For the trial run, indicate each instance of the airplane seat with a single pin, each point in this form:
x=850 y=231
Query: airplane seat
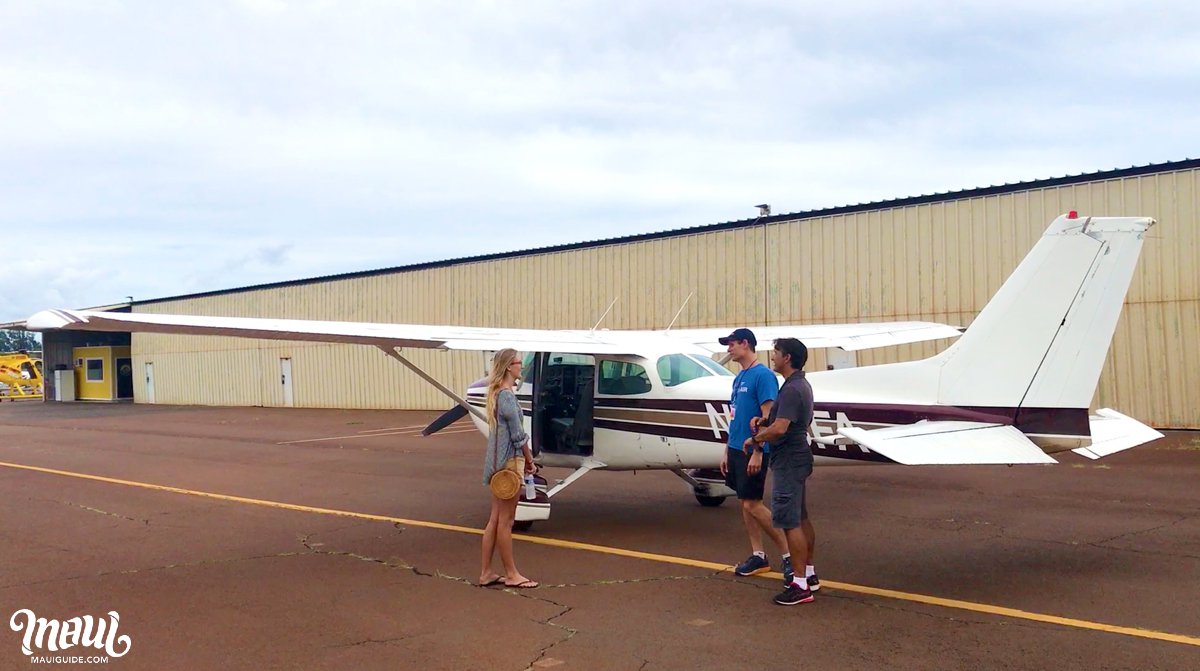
x=634 y=384
x=580 y=433
x=610 y=385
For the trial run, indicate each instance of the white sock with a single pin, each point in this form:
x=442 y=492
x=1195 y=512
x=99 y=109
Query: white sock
x=809 y=571
x=760 y=554
x=787 y=555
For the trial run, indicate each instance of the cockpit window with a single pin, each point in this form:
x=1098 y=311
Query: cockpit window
x=622 y=378
x=714 y=366
x=557 y=359
x=676 y=369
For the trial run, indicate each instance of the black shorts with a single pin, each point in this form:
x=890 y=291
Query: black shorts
x=748 y=487
x=789 y=505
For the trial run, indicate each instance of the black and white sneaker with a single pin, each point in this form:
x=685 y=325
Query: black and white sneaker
x=813 y=583
x=793 y=595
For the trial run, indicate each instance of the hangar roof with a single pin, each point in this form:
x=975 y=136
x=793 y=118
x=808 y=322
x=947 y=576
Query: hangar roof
x=1099 y=175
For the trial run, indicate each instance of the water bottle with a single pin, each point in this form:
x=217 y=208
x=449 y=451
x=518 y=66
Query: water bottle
x=530 y=490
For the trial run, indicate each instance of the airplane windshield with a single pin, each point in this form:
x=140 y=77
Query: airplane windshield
x=676 y=369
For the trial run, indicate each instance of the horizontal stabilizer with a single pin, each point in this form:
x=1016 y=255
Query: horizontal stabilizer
x=947 y=442
x=1113 y=432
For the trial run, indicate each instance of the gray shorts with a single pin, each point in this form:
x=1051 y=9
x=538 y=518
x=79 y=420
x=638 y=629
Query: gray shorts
x=788 y=504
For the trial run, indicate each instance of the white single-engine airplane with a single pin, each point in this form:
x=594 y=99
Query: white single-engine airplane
x=1014 y=389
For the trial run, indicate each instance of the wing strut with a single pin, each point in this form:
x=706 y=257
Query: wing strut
x=578 y=473
x=395 y=354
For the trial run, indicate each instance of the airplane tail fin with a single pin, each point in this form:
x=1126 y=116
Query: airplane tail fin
x=1042 y=339
x=1040 y=342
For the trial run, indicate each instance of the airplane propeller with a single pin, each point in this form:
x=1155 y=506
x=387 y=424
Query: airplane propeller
x=445 y=419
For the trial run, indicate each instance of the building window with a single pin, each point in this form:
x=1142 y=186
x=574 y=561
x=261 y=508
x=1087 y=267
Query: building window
x=95 y=370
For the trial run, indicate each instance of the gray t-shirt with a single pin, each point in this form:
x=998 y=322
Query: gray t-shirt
x=795 y=404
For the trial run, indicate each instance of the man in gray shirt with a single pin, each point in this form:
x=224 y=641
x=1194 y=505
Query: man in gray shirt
x=791 y=459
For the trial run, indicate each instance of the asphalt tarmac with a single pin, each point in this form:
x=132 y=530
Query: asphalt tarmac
x=251 y=538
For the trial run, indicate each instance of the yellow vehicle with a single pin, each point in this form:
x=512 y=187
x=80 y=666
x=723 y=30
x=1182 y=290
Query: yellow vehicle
x=20 y=377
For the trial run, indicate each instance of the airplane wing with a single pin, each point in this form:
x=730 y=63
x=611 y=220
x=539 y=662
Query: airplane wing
x=694 y=341
x=1113 y=432
x=849 y=337
x=949 y=442
x=386 y=336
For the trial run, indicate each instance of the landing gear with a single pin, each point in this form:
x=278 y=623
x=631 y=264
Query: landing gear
x=523 y=525
x=708 y=485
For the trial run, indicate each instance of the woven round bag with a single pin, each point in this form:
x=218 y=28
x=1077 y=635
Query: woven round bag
x=505 y=484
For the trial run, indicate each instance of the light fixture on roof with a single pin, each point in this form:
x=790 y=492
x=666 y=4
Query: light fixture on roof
x=764 y=210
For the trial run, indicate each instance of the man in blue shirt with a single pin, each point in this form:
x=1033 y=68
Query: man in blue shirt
x=754 y=392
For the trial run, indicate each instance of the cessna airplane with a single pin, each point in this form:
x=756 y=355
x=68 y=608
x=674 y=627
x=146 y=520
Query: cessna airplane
x=1014 y=389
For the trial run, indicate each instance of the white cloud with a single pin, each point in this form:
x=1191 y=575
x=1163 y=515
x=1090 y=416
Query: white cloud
x=196 y=146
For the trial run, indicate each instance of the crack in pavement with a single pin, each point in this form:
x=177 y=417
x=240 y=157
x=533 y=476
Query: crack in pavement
x=147 y=569
x=550 y=622
x=1102 y=544
x=633 y=581
x=315 y=548
x=104 y=512
x=380 y=641
x=570 y=632
x=1183 y=518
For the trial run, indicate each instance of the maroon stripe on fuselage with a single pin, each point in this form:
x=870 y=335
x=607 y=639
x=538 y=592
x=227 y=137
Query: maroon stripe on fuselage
x=1057 y=421
x=689 y=405
x=705 y=435
x=852 y=452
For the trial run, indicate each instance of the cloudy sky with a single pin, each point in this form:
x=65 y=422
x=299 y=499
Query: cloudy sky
x=152 y=149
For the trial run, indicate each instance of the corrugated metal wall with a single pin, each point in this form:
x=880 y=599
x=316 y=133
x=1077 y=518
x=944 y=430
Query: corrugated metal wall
x=939 y=261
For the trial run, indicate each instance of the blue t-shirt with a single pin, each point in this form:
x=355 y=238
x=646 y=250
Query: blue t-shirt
x=751 y=388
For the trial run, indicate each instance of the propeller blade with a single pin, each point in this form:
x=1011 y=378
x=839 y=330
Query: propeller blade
x=445 y=419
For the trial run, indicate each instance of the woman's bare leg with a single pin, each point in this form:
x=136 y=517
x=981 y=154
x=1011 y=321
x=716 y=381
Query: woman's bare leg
x=486 y=574
x=508 y=510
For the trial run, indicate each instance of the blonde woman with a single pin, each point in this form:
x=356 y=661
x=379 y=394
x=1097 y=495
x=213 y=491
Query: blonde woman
x=506 y=438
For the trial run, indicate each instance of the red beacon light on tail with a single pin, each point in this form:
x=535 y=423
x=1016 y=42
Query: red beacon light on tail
x=1072 y=215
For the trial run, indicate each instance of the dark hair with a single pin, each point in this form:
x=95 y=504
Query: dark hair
x=795 y=350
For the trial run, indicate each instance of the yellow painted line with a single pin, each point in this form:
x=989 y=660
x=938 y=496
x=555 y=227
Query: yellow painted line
x=649 y=556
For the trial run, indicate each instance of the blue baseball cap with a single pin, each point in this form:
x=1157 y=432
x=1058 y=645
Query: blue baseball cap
x=740 y=334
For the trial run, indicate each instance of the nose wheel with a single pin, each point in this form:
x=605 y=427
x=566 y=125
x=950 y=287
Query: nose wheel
x=708 y=485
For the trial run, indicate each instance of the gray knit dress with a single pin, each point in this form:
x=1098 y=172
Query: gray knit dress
x=505 y=442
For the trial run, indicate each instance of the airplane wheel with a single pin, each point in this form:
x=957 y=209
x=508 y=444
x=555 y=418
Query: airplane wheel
x=523 y=526
x=710 y=501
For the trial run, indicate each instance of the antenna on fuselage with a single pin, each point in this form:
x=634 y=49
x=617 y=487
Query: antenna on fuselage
x=680 y=311
x=610 y=307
